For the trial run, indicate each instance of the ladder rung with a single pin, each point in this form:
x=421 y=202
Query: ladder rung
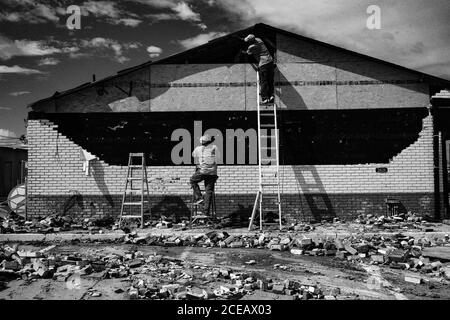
x=136 y=166
x=134 y=203
x=272 y=137
x=266 y=114
x=129 y=216
x=135 y=178
x=137 y=154
x=267 y=125
x=269 y=184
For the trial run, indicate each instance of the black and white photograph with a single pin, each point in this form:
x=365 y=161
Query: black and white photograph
x=224 y=158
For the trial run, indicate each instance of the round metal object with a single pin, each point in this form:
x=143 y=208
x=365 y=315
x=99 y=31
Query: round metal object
x=17 y=199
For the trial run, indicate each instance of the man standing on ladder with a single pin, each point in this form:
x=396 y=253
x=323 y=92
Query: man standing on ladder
x=206 y=157
x=258 y=49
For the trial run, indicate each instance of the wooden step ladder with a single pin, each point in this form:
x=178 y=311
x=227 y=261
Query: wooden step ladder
x=268 y=198
x=130 y=193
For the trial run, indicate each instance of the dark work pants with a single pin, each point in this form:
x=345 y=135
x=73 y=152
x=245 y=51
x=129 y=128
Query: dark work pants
x=266 y=75
x=210 y=181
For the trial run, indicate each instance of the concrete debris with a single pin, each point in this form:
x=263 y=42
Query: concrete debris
x=54 y=223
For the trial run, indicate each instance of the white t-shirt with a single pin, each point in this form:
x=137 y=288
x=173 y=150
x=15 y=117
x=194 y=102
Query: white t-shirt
x=206 y=158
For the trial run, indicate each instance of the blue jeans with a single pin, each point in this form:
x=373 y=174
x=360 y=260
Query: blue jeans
x=210 y=181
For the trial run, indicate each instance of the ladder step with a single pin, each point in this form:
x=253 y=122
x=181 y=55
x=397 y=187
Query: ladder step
x=266 y=114
x=135 y=178
x=269 y=184
x=135 y=166
x=137 y=154
x=126 y=216
x=271 y=137
x=134 y=203
x=267 y=126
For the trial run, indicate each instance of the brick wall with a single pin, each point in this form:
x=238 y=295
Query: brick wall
x=58 y=184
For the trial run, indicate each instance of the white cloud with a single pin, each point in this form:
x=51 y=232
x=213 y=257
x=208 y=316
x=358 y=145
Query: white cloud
x=10 y=48
x=18 y=93
x=129 y=22
x=101 y=8
x=154 y=51
x=185 y=12
x=180 y=10
x=100 y=44
x=48 y=62
x=113 y=14
x=29 y=12
x=18 y=69
x=200 y=39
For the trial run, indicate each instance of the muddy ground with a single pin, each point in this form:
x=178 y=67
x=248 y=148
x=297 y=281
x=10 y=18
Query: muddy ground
x=355 y=280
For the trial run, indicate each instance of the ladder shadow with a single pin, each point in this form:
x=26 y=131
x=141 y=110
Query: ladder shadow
x=314 y=192
x=98 y=173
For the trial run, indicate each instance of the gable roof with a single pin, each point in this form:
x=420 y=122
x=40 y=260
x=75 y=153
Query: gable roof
x=210 y=53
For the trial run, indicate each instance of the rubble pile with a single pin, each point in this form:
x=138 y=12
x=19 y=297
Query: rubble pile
x=53 y=223
x=407 y=220
x=396 y=251
x=151 y=276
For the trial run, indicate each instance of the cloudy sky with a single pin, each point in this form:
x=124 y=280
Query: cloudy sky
x=40 y=55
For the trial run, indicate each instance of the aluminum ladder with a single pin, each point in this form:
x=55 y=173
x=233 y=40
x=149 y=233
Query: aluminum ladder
x=130 y=201
x=268 y=197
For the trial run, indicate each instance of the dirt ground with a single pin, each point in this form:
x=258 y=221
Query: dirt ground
x=352 y=280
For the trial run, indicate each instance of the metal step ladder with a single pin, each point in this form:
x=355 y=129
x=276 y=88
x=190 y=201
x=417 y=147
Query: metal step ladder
x=136 y=173
x=268 y=198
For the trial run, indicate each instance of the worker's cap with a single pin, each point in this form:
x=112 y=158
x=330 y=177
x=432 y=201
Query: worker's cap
x=205 y=138
x=249 y=38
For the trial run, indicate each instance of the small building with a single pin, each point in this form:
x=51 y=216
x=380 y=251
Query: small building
x=355 y=131
x=12 y=168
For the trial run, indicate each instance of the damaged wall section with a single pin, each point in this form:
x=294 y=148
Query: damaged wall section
x=310 y=191
x=306 y=137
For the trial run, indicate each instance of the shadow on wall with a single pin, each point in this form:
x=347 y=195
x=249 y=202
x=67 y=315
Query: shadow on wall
x=312 y=188
x=287 y=94
x=99 y=176
x=173 y=207
x=75 y=199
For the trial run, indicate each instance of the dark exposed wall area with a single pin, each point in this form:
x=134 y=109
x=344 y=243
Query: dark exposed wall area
x=306 y=137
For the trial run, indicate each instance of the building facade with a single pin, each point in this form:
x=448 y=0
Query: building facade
x=354 y=132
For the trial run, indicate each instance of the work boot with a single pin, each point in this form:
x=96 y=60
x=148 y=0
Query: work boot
x=265 y=101
x=271 y=99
